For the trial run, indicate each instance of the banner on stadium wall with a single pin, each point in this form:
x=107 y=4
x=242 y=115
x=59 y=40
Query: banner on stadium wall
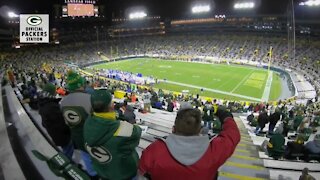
x=34 y=28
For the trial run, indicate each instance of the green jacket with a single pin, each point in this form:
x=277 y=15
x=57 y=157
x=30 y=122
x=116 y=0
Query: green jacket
x=76 y=107
x=111 y=145
x=276 y=146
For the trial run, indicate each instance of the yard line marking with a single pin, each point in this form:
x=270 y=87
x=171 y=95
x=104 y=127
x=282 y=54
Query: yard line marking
x=240 y=83
x=267 y=88
x=212 y=90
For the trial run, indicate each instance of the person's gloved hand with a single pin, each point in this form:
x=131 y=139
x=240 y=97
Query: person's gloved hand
x=222 y=114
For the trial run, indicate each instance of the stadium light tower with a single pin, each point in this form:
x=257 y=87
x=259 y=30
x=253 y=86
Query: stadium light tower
x=137 y=15
x=198 y=9
x=12 y=14
x=244 y=5
x=292 y=23
x=310 y=3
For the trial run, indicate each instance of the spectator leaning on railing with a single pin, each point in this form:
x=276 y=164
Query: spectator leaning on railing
x=186 y=154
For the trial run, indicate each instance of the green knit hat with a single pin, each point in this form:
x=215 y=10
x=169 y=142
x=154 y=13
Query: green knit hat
x=100 y=100
x=50 y=89
x=74 y=81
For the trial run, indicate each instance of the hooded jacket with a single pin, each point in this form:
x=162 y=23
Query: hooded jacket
x=276 y=145
x=111 y=145
x=189 y=158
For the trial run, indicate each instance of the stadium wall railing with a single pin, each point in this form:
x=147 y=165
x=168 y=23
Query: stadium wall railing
x=30 y=135
x=10 y=168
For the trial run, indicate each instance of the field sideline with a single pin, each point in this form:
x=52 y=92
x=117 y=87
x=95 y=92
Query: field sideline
x=232 y=82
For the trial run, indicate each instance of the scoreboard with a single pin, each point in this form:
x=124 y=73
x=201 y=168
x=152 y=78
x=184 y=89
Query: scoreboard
x=76 y=10
x=79 y=1
x=80 y=8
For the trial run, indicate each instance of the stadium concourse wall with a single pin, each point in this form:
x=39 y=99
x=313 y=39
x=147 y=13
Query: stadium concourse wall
x=199 y=59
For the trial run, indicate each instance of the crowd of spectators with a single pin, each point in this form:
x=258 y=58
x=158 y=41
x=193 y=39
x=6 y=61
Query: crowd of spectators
x=300 y=125
x=229 y=47
x=41 y=74
x=72 y=125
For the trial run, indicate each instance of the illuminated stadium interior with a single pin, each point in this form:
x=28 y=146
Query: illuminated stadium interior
x=145 y=90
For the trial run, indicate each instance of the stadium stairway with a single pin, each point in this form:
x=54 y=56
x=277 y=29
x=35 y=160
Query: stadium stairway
x=281 y=169
x=244 y=163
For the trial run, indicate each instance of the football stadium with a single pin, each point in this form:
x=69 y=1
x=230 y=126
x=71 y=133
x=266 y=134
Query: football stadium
x=160 y=90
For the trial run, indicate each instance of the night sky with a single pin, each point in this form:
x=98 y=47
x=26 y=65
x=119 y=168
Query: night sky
x=172 y=9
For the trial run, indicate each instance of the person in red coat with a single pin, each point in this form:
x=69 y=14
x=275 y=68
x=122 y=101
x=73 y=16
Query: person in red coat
x=185 y=154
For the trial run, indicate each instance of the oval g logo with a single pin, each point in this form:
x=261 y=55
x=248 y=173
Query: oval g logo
x=99 y=153
x=34 y=20
x=73 y=118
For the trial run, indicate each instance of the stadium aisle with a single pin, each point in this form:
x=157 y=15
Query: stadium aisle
x=244 y=163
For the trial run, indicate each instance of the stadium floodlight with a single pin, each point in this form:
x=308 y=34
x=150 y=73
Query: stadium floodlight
x=137 y=15
x=244 y=5
x=200 y=9
x=12 y=15
x=310 y=3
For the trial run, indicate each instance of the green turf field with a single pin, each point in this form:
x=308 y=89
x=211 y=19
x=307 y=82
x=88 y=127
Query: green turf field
x=220 y=80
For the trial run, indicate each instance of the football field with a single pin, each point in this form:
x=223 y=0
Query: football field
x=233 y=82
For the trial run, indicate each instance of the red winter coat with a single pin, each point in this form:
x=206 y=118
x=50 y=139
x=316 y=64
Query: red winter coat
x=179 y=157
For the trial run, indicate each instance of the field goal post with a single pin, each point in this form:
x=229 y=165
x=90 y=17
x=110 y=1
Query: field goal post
x=270 y=58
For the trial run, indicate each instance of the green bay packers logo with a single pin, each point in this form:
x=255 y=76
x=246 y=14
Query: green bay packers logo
x=34 y=20
x=100 y=154
x=72 y=117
